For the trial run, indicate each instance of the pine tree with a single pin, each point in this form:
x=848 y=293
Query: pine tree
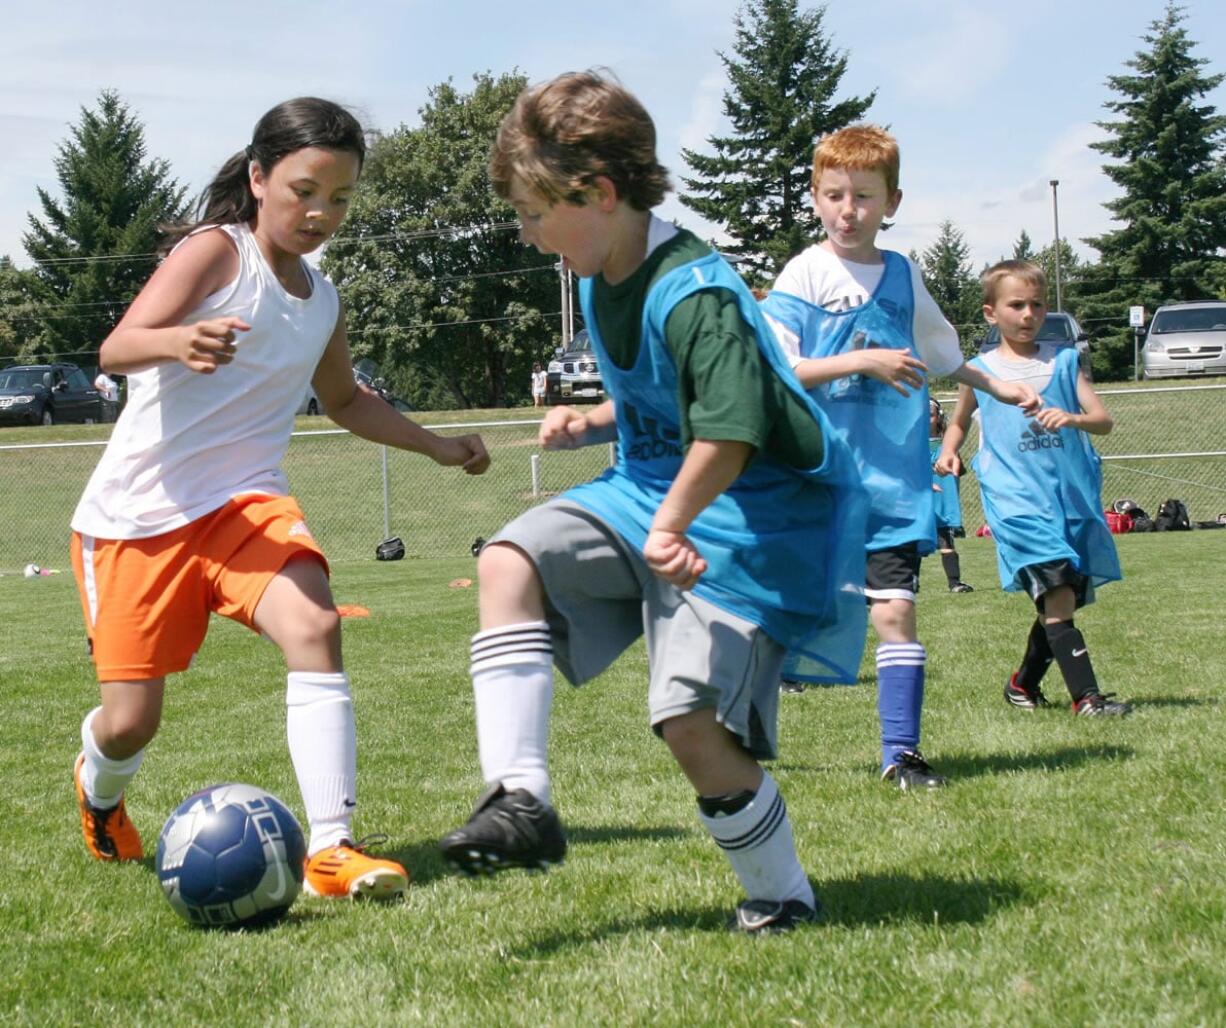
x=946 y=269
x=784 y=77
x=93 y=248
x=1023 y=249
x=1172 y=214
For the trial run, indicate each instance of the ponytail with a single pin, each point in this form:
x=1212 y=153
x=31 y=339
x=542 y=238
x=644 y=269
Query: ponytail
x=290 y=126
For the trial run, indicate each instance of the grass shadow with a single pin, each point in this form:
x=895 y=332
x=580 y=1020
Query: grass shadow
x=959 y=767
x=865 y=901
x=425 y=863
x=890 y=899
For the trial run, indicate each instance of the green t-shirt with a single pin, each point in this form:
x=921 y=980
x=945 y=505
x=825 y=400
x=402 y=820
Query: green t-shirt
x=726 y=389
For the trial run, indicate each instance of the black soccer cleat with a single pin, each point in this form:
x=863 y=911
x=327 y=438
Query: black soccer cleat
x=790 y=685
x=961 y=587
x=506 y=830
x=769 y=917
x=1101 y=705
x=1020 y=696
x=911 y=771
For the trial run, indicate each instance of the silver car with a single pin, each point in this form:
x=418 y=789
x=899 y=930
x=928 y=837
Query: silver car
x=1186 y=339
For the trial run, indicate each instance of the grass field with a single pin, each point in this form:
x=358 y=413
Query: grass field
x=1072 y=873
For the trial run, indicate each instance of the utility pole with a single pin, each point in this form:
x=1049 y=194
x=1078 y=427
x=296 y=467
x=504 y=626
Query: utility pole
x=568 y=309
x=1055 y=215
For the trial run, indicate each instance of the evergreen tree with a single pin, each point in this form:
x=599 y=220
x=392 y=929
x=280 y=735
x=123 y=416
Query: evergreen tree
x=93 y=248
x=1023 y=249
x=784 y=77
x=19 y=322
x=1172 y=214
x=946 y=269
x=439 y=292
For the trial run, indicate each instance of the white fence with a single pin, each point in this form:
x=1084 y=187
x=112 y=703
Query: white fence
x=1168 y=442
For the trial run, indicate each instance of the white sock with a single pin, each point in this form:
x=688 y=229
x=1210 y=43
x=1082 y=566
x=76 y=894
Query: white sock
x=323 y=746
x=512 y=673
x=103 y=779
x=757 y=840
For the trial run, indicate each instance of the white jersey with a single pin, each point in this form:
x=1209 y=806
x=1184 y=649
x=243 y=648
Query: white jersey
x=187 y=443
x=819 y=277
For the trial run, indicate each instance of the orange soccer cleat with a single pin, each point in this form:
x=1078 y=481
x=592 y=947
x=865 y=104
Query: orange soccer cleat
x=346 y=870
x=109 y=834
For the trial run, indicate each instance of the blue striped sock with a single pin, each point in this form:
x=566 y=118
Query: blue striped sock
x=900 y=697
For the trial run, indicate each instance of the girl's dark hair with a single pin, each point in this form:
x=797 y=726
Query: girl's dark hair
x=290 y=126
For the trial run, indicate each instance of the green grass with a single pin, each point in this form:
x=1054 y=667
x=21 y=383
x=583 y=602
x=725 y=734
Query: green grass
x=1070 y=874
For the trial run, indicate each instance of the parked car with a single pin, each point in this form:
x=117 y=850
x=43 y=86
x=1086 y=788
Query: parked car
x=574 y=373
x=310 y=403
x=1059 y=327
x=50 y=394
x=1186 y=339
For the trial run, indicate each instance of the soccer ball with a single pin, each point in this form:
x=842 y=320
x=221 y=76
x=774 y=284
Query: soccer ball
x=231 y=855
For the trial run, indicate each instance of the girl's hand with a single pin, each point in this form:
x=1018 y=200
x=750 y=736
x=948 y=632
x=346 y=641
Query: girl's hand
x=206 y=345
x=464 y=451
x=672 y=557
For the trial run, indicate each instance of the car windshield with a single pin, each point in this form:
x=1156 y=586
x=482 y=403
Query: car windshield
x=22 y=378
x=1194 y=319
x=582 y=343
x=1055 y=329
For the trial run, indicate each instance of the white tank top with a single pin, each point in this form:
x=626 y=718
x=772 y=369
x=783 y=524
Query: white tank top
x=187 y=443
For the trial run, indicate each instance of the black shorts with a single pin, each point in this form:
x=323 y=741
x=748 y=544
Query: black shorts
x=1038 y=579
x=893 y=573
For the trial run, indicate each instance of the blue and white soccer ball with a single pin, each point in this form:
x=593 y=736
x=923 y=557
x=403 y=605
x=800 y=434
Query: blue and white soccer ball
x=231 y=855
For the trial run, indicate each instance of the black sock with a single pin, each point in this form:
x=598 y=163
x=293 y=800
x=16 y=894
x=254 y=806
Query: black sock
x=1069 y=649
x=1037 y=659
x=952 y=566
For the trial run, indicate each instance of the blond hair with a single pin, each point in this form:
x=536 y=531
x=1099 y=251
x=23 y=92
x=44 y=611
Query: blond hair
x=561 y=135
x=1028 y=272
x=859 y=148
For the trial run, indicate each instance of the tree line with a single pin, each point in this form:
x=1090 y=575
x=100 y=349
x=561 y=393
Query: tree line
x=443 y=298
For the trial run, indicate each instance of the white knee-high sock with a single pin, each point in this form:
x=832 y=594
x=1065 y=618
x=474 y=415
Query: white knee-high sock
x=323 y=746
x=103 y=779
x=757 y=839
x=512 y=673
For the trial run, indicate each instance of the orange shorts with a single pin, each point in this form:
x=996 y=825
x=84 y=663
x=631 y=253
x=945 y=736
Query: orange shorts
x=147 y=601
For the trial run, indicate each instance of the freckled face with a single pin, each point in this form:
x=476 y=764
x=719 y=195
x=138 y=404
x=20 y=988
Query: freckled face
x=852 y=205
x=304 y=197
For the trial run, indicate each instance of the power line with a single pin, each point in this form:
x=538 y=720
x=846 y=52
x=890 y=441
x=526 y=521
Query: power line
x=435 y=233
x=36 y=308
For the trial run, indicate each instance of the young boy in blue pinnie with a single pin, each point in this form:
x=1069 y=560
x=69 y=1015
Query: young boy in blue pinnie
x=947 y=503
x=1041 y=483
x=729 y=531
x=862 y=333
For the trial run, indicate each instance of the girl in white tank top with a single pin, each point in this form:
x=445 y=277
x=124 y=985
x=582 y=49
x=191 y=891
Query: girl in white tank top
x=219 y=348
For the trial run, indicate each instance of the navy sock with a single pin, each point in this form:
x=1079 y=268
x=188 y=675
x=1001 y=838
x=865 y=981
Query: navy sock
x=1073 y=656
x=900 y=697
x=1037 y=659
x=952 y=564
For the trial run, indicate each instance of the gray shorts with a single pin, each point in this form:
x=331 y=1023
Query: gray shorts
x=600 y=596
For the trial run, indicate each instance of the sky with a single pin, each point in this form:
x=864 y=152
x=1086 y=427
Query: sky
x=989 y=102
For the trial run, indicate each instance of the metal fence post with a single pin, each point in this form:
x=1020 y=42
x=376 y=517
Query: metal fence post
x=536 y=475
x=387 y=506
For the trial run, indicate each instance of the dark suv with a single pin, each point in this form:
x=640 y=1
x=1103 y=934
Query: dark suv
x=574 y=373
x=50 y=394
x=1058 y=327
